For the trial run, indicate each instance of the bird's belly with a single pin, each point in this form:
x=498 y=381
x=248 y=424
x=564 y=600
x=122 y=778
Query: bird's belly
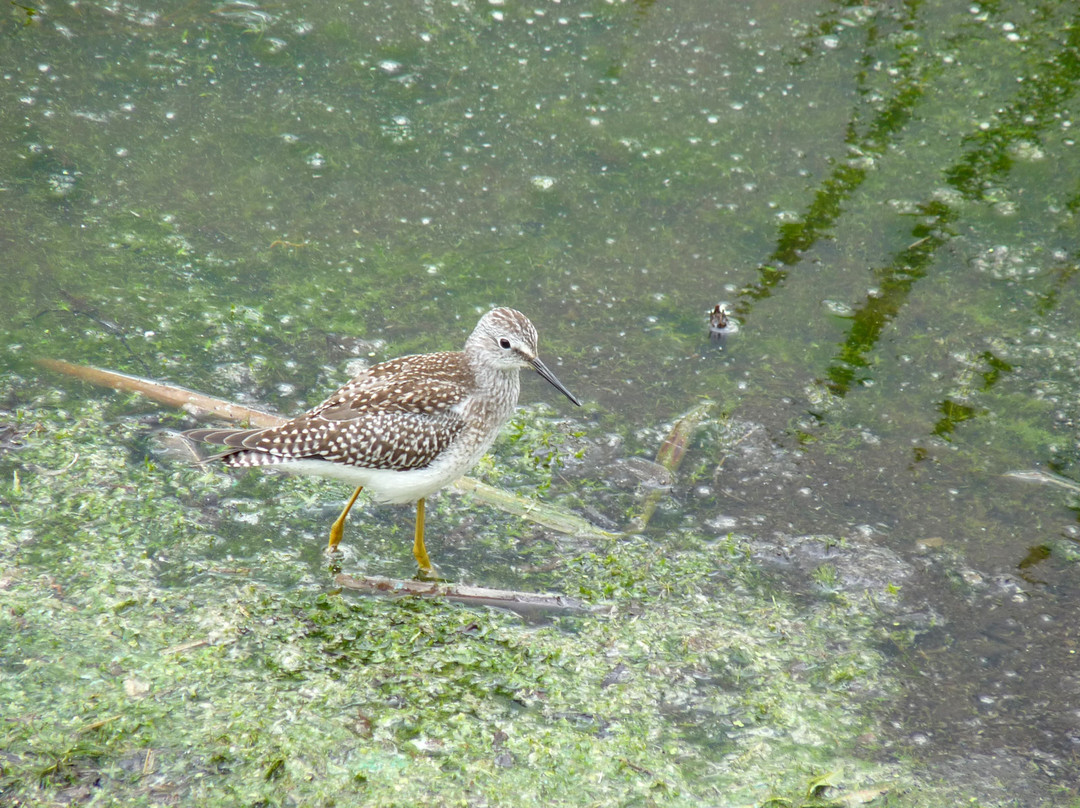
x=388 y=485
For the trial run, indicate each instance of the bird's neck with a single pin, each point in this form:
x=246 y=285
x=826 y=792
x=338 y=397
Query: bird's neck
x=501 y=386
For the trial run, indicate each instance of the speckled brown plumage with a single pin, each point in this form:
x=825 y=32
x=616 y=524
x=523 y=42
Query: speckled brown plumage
x=398 y=415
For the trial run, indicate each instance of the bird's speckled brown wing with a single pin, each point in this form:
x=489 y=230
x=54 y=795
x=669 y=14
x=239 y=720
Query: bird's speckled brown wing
x=397 y=415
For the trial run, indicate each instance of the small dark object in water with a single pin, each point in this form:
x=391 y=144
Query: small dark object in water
x=719 y=326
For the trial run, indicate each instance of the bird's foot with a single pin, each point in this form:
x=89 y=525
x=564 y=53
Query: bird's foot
x=427 y=574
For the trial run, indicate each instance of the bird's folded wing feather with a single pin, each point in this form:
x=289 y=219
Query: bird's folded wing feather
x=400 y=415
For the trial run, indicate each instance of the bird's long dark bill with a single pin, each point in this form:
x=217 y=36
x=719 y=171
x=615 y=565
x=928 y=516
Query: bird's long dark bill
x=542 y=369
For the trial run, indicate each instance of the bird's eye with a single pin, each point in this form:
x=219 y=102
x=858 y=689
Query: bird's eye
x=504 y=343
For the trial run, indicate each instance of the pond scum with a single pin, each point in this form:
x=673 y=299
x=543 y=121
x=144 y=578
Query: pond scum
x=145 y=665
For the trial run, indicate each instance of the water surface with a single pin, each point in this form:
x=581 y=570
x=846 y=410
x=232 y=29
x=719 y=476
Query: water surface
x=242 y=199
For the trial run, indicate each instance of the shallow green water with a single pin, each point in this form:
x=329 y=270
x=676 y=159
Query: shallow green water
x=240 y=199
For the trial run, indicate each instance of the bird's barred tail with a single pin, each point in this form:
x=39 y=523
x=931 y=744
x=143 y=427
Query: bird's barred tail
x=241 y=457
x=222 y=437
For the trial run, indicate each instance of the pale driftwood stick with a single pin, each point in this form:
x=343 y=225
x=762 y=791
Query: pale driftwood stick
x=194 y=403
x=1045 y=477
x=549 y=516
x=670 y=456
x=204 y=406
x=525 y=603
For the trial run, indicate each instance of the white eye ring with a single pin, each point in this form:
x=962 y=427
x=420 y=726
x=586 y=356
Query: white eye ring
x=504 y=343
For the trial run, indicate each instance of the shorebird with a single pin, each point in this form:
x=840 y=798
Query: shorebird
x=403 y=428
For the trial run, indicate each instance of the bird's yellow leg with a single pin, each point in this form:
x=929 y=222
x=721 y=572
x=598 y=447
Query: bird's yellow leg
x=419 y=550
x=338 y=528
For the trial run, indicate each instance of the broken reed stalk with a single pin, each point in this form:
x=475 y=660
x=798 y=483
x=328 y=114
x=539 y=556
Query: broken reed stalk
x=189 y=401
x=670 y=456
x=527 y=604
